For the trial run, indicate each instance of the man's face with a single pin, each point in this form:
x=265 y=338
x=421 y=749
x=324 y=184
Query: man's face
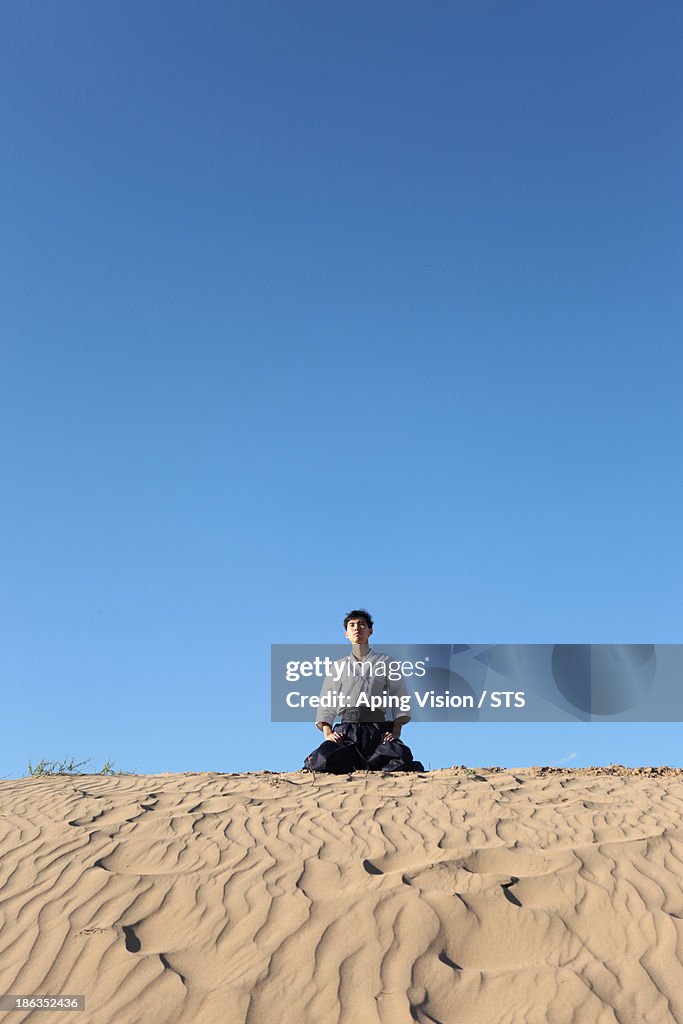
x=357 y=631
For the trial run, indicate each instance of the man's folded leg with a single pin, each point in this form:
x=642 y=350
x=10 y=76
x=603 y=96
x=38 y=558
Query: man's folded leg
x=394 y=756
x=337 y=758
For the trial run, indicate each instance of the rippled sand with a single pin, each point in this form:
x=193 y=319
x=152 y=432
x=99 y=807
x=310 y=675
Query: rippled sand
x=530 y=896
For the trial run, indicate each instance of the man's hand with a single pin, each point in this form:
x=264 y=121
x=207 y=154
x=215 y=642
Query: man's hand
x=395 y=733
x=329 y=734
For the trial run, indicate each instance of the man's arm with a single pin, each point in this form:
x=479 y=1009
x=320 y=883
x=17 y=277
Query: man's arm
x=398 y=688
x=325 y=716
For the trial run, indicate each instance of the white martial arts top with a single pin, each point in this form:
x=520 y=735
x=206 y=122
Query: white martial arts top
x=350 y=680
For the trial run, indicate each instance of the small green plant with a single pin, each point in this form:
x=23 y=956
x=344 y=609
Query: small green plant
x=69 y=766
x=108 y=769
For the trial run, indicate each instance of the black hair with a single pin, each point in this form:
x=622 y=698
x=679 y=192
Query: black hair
x=358 y=613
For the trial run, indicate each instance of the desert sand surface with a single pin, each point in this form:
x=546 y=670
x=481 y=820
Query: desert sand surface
x=460 y=896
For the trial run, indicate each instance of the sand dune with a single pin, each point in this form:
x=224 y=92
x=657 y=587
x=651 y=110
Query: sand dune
x=531 y=896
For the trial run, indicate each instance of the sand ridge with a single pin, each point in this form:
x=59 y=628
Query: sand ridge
x=460 y=896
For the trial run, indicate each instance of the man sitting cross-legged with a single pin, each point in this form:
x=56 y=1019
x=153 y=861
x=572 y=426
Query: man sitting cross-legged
x=364 y=739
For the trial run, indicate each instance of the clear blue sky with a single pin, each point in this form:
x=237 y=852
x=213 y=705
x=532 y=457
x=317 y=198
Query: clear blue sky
x=306 y=306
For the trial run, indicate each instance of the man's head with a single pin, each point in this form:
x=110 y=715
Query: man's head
x=358 y=626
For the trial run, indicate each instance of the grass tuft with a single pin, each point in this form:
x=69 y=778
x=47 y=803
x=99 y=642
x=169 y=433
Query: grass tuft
x=69 y=766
